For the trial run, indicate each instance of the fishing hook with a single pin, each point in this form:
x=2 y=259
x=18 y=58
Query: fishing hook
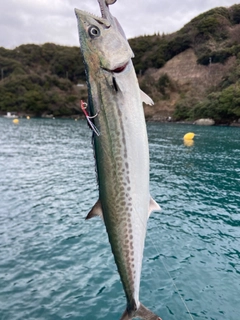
x=83 y=106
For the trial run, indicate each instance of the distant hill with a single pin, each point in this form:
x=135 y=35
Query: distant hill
x=41 y=80
x=191 y=73
x=194 y=72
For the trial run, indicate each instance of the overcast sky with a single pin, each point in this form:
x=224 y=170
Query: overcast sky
x=40 y=21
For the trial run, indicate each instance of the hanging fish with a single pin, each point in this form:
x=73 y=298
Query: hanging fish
x=121 y=147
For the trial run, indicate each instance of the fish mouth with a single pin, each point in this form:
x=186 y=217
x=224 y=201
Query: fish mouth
x=118 y=69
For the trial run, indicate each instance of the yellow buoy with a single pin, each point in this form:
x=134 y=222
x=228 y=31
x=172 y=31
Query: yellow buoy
x=28 y=117
x=15 y=121
x=188 y=142
x=189 y=136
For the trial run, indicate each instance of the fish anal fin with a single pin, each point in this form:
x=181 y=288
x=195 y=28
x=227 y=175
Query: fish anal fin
x=95 y=211
x=146 y=99
x=142 y=313
x=153 y=206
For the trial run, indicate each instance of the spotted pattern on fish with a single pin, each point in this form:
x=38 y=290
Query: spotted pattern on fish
x=118 y=172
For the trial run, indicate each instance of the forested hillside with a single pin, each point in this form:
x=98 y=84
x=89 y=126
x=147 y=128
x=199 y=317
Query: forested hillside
x=41 y=80
x=194 y=72
x=189 y=74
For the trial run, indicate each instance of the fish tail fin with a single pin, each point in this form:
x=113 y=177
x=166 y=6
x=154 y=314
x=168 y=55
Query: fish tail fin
x=125 y=316
x=142 y=312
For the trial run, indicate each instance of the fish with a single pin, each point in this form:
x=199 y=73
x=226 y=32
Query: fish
x=115 y=112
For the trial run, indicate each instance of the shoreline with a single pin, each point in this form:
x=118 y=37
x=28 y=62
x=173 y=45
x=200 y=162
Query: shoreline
x=81 y=117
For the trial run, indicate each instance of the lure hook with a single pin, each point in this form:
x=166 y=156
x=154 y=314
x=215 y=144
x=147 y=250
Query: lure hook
x=83 y=106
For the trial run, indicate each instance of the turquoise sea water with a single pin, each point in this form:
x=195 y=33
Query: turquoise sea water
x=55 y=265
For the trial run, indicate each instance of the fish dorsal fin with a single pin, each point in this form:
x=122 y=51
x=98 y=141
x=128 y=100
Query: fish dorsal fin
x=146 y=99
x=153 y=206
x=96 y=211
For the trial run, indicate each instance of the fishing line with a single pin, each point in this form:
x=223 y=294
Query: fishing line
x=165 y=267
x=173 y=282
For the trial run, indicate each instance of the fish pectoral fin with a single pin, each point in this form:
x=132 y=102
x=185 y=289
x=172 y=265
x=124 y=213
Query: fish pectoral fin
x=142 y=313
x=146 y=99
x=153 y=206
x=96 y=211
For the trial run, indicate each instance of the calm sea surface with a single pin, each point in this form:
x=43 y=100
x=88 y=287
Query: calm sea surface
x=55 y=265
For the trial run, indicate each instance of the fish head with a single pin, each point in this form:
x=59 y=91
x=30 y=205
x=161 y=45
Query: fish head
x=102 y=45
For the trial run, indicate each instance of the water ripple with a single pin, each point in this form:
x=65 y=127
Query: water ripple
x=55 y=265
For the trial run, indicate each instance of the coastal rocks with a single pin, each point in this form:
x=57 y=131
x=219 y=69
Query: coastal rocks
x=235 y=123
x=204 y=122
x=48 y=116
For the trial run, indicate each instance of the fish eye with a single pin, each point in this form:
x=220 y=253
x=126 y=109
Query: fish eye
x=94 y=32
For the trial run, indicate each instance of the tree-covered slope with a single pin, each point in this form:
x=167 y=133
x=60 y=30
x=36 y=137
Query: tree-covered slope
x=40 y=79
x=184 y=88
x=191 y=73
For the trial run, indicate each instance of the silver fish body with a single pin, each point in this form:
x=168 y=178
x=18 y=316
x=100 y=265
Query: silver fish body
x=121 y=150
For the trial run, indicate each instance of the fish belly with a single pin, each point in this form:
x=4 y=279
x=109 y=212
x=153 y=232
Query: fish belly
x=123 y=172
